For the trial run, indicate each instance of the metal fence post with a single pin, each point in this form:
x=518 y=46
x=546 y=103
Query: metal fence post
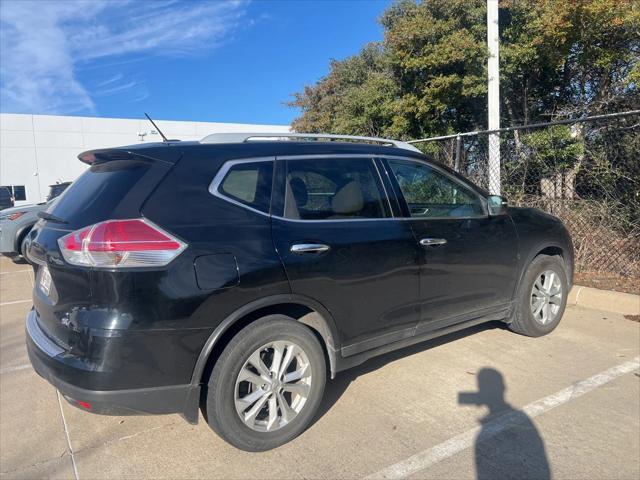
x=458 y=153
x=493 y=87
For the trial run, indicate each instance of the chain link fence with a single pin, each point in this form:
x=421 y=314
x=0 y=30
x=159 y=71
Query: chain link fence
x=587 y=172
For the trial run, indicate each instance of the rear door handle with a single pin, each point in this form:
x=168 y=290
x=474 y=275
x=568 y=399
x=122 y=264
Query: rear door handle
x=432 y=242
x=309 y=248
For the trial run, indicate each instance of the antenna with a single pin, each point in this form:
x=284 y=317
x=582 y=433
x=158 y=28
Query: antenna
x=164 y=139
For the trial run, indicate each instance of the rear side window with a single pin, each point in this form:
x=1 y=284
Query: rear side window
x=333 y=189
x=247 y=183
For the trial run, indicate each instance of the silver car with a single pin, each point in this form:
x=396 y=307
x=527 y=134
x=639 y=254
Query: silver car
x=16 y=222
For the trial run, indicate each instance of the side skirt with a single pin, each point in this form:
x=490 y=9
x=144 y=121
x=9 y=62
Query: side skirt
x=344 y=363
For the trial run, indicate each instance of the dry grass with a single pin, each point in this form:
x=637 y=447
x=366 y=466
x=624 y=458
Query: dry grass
x=606 y=249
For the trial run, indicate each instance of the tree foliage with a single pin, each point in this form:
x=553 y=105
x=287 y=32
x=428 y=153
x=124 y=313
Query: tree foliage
x=553 y=149
x=428 y=75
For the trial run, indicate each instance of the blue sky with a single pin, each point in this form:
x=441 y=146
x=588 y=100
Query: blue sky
x=235 y=61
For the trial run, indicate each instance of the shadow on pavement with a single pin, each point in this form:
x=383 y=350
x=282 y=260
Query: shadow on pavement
x=336 y=387
x=508 y=445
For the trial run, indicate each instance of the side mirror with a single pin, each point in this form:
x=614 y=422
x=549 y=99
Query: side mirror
x=497 y=205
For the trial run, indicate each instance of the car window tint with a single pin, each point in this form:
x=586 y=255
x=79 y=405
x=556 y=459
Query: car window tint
x=430 y=193
x=99 y=190
x=332 y=189
x=249 y=183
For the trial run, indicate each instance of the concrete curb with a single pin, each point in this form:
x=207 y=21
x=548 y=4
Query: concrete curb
x=618 y=302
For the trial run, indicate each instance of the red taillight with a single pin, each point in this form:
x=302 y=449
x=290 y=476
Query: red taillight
x=73 y=241
x=120 y=244
x=129 y=235
x=15 y=216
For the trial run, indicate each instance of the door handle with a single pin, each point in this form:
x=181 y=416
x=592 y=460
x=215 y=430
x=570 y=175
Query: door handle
x=432 y=242
x=309 y=248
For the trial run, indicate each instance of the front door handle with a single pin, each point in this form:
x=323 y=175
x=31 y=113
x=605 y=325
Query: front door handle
x=432 y=242
x=309 y=248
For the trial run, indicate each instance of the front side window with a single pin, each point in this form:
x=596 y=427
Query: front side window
x=334 y=189
x=430 y=193
x=249 y=183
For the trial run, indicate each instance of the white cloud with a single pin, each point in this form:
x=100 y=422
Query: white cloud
x=115 y=78
x=42 y=43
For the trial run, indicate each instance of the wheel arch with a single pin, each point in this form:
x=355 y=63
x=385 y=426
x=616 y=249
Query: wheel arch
x=20 y=234
x=551 y=249
x=302 y=308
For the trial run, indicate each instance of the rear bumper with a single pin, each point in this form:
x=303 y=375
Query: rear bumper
x=49 y=361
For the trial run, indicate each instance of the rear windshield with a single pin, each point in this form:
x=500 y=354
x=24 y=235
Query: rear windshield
x=98 y=191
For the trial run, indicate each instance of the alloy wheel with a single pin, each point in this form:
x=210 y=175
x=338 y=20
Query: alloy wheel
x=546 y=297
x=273 y=386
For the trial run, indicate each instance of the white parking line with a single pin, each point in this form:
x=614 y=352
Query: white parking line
x=449 y=448
x=15 y=302
x=66 y=432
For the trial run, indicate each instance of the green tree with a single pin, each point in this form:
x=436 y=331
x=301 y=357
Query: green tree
x=427 y=77
x=554 y=155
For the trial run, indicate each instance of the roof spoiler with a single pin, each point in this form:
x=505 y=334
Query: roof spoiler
x=104 y=155
x=126 y=153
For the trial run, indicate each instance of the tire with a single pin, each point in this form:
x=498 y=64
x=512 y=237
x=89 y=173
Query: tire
x=23 y=245
x=529 y=316
x=225 y=391
x=20 y=257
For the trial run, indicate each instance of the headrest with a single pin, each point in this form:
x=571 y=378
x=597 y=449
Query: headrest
x=299 y=190
x=348 y=199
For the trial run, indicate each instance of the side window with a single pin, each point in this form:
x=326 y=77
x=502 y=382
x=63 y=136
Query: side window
x=333 y=189
x=429 y=193
x=18 y=192
x=248 y=183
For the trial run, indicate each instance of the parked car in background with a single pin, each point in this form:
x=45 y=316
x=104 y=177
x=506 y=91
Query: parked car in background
x=6 y=198
x=56 y=189
x=235 y=273
x=17 y=222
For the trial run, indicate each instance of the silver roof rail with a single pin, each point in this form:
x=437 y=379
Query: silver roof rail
x=246 y=137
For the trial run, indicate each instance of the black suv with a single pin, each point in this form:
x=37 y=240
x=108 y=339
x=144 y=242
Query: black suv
x=235 y=273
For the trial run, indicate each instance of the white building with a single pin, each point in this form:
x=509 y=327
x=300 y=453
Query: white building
x=39 y=150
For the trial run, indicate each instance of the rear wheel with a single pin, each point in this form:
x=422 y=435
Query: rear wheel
x=21 y=256
x=267 y=384
x=23 y=246
x=542 y=297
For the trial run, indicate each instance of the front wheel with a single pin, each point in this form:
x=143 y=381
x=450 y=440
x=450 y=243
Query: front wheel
x=267 y=384
x=23 y=247
x=542 y=297
x=21 y=256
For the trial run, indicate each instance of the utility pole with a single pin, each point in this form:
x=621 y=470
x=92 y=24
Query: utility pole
x=493 y=71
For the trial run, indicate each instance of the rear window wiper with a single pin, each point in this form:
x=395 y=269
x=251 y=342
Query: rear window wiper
x=51 y=217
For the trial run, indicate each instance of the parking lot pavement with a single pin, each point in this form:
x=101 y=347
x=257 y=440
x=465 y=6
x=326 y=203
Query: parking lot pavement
x=565 y=405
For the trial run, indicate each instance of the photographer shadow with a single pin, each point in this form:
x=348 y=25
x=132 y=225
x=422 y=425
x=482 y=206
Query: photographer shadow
x=508 y=445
